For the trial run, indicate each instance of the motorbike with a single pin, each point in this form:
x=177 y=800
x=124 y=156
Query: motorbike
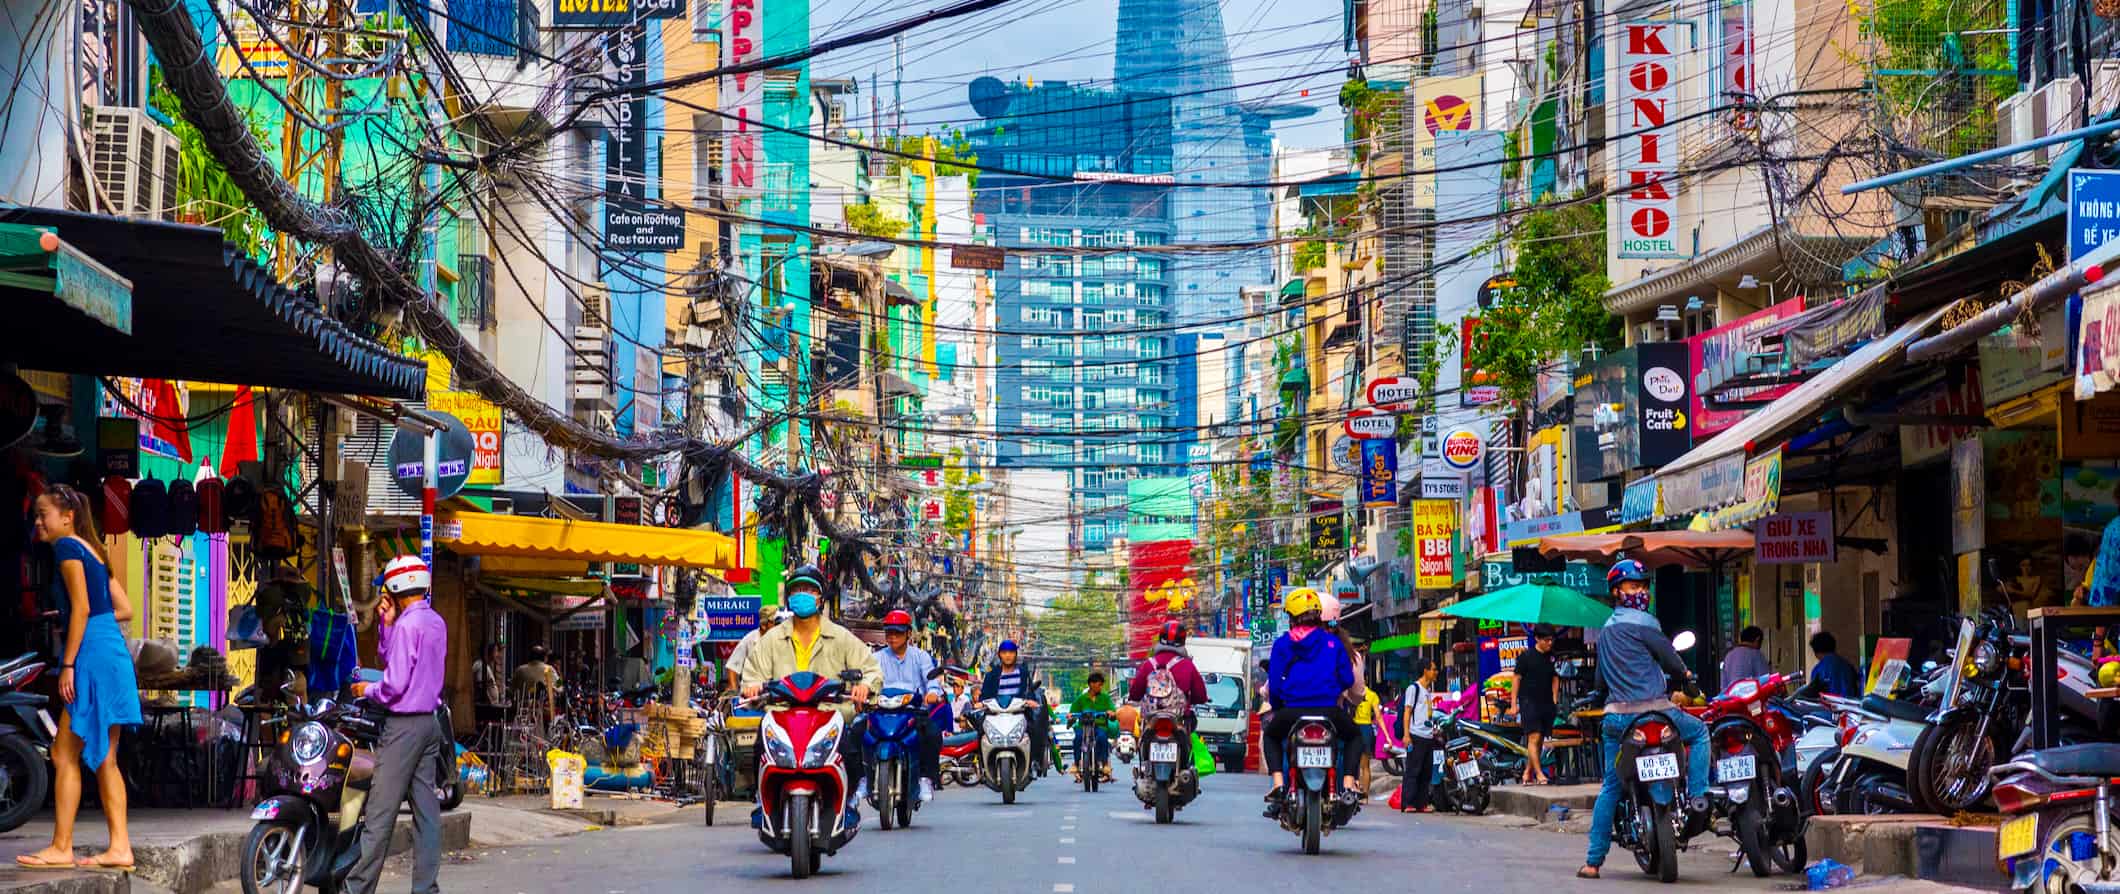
x=1088 y=735
x=307 y=829
x=1503 y=752
x=26 y=734
x=1877 y=736
x=1390 y=750
x=1749 y=781
x=2059 y=836
x=802 y=783
x=1005 y=745
x=891 y=739
x=1166 y=781
x=1310 y=806
x=1124 y=749
x=1465 y=781
x=960 y=758
x=1650 y=818
x=1984 y=696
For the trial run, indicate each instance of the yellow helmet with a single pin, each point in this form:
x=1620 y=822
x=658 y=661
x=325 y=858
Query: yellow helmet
x=1301 y=601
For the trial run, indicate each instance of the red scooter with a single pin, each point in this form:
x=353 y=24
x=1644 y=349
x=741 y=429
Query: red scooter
x=1749 y=782
x=802 y=783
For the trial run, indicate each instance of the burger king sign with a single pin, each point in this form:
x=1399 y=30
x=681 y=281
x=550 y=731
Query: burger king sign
x=1461 y=449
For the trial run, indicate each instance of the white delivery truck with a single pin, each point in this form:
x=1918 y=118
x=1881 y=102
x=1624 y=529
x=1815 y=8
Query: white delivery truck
x=1225 y=721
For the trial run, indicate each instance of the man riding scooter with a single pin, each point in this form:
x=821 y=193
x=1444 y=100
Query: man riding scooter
x=811 y=643
x=1011 y=678
x=909 y=668
x=1308 y=673
x=1636 y=666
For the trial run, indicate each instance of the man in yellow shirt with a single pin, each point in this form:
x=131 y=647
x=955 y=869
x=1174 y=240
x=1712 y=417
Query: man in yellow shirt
x=810 y=642
x=1365 y=720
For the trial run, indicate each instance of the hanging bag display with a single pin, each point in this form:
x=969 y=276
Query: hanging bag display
x=114 y=514
x=211 y=517
x=273 y=534
x=150 y=509
x=183 y=508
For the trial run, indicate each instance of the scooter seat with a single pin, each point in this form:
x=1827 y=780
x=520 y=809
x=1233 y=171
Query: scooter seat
x=1895 y=709
x=2095 y=759
x=956 y=739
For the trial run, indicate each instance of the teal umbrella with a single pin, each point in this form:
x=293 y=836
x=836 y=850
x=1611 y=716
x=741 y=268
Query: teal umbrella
x=1534 y=604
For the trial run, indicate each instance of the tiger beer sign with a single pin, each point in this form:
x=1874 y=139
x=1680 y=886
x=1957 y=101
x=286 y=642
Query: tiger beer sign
x=1646 y=201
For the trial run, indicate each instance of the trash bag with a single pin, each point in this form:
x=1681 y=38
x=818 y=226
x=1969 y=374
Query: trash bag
x=1395 y=800
x=1203 y=759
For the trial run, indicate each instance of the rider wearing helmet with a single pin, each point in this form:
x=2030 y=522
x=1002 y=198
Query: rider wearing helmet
x=1309 y=672
x=1170 y=653
x=810 y=642
x=1010 y=677
x=1636 y=670
x=909 y=668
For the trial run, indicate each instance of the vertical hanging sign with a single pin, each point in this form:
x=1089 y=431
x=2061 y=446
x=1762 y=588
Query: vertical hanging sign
x=1380 y=472
x=743 y=100
x=631 y=221
x=1646 y=203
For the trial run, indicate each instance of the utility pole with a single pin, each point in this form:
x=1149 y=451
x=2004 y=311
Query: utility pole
x=897 y=83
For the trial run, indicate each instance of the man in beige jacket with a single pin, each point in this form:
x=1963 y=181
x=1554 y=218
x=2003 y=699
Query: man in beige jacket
x=811 y=642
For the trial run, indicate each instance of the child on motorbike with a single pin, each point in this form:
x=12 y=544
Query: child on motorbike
x=1308 y=673
x=1094 y=700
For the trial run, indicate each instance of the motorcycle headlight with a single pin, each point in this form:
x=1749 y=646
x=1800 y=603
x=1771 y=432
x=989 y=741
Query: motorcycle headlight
x=780 y=752
x=1986 y=659
x=823 y=746
x=309 y=742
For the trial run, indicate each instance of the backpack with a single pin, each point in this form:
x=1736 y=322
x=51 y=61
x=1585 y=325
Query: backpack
x=211 y=517
x=272 y=533
x=150 y=509
x=115 y=515
x=1165 y=696
x=239 y=501
x=183 y=508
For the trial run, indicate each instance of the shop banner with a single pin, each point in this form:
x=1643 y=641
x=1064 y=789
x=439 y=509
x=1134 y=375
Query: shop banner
x=1328 y=527
x=1968 y=493
x=1499 y=573
x=1589 y=521
x=1434 y=530
x=1607 y=436
x=1477 y=388
x=1482 y=527
x=729 y=617
x=1152 y=569
x=1762 y=495
x=1640 y=502
x=1829 y=331
x=1442 y=103
x=1955 y=397
x=1794 y=538
x=481 y=416
x=1546 y=478
x=2098 y=335
x=1660 y=402
x=1646 y=95
x=743 y=100
x=632 y=220
x=2018 y=363
x=1717 y=482
x=607 y=14
x=2094 y=219
x=1380 y=473
x=1714 y=357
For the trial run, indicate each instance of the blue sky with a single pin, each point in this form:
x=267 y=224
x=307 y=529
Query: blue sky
x=1072 y=40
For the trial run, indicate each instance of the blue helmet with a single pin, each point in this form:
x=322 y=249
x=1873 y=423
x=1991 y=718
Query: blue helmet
x=1626 y=570
x=1007 y=645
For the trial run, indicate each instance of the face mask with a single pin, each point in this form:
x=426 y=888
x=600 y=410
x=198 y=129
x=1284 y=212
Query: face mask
x=804 y=605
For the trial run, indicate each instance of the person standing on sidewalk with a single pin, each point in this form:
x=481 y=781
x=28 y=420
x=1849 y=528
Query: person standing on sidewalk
x=1365 y=720
x=1418 y=713
x=415 y=649
x=95 y=681
x=1538 y=689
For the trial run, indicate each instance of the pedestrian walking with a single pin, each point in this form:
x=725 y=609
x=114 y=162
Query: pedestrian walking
x=95 y=681
x=1417 y=712
x=1365 y=720
x=1745 y=661
x=1538 y=690
x=414 y=643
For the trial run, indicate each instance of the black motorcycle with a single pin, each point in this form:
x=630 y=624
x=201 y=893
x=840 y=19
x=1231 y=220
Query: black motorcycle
x=1311 y=807
x=1164 y=779
x=308 y=828
x=1985 y=700
x=26 y=732
x=1650 y=820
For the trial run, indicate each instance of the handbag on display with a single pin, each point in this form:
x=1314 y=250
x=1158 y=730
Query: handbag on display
x=246 y=630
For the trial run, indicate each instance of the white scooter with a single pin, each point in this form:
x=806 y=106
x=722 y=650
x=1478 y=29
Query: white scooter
x=1870 y=775
x=1005 y=745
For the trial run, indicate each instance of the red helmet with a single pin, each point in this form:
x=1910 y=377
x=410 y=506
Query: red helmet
x=898 y=620
x=1173 y=633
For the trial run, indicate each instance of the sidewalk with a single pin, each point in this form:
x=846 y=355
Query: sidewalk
x=180 y=851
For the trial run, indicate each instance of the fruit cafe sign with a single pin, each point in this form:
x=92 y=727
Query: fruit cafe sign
x=1646 y=204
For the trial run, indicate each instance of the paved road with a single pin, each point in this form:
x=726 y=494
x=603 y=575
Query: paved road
x=1059 y=839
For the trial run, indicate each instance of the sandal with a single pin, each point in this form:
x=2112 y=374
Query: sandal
x=1589 y=872
x=32 y=861
x=97 y=863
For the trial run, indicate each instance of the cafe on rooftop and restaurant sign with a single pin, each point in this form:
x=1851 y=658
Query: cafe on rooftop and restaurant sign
x=1645 y=202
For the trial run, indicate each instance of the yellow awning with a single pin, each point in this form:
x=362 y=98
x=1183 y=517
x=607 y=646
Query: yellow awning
x=479 y=534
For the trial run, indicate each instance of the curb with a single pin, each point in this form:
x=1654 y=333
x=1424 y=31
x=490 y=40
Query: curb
x=198 y=864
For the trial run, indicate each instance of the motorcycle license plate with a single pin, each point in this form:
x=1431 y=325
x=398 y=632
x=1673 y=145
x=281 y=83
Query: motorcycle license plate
x=1307 y=758
x=1656 y=767
x=1737 y=769
x=266 y=811
x=1468 y=771
x=1163 y=752
x=2018 y=837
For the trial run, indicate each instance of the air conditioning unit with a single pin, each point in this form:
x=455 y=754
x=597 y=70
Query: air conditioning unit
x=134 y=161
x=2063 y=99
x=2105 y=86
x=2019 y=118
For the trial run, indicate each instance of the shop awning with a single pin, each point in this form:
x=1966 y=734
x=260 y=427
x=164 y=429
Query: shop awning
x=200 y=311
x=896 y=294
x=1295 y=378
x=1292 y=288
x=1722 y=457
x=479 y=534
x=1693 y=548
x=2029 y=301
x=1398 y=643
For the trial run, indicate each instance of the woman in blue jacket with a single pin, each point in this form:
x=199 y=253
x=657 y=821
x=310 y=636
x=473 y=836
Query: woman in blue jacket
x=1309 y=673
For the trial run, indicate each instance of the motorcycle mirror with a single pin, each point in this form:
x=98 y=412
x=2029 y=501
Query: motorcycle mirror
x=1684 y=640
x=935 y=674
x=850 y=676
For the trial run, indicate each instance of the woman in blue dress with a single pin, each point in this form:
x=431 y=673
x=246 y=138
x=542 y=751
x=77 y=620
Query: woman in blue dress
x=95 y=680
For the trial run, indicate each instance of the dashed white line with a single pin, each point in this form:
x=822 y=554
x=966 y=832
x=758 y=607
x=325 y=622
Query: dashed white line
x=1063 y=888
x=1067 y=841
x=1067 y=860
x=1068 y=828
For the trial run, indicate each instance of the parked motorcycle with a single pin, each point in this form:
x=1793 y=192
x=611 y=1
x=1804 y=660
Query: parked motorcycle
x=1310 y=805
x=26 y=733
x=1464 y=781
x=2059 y=836
x=1089 y=734
x=1877 y=739
x=891 y=739
x=1005 y=745
x=1503 y=749
x=1977 y=719
x=1749 y=781
x=1390 y=750
x=802 y=783
x=307 y=830
x=1166 y=781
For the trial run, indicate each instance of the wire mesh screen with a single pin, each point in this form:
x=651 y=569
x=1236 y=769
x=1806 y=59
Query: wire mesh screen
x=1942 y=67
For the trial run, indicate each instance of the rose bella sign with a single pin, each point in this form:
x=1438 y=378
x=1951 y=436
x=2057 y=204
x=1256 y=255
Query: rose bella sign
x=1646 y=204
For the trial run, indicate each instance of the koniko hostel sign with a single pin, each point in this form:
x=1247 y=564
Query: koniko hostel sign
x=743 y=99
x=1441 y=104
x=1794 y=538
x=1646 y=93
x=1434 y=528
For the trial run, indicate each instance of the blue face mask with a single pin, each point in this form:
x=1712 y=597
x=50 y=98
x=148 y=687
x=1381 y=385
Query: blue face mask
x=804 y=605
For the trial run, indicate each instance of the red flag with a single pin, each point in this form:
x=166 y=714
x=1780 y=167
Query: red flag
x=167 y=419
x=242 y=443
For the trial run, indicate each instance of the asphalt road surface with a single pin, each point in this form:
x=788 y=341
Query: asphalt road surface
x=1058 y=839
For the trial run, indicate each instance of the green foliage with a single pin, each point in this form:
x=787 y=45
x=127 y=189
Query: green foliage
x=869 y=220
x=1370 y=112
x=1310 y=256
x=1940 y=66
x=1080 y=625
x=953 y=154
x=204 y=190
x=1557 y=306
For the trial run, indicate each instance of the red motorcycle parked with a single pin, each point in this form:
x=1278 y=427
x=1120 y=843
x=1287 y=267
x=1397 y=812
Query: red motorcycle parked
x=1749 y=780
x=802 y=783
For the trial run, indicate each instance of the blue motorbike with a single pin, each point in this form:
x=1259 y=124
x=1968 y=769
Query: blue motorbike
x=892 y=741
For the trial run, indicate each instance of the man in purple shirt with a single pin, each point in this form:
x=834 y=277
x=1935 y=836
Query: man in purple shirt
x=415 y=648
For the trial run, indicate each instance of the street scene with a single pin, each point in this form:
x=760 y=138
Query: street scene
x=1059 y=445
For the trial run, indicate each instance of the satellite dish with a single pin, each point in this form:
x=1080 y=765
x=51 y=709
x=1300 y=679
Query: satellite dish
x=989 y=97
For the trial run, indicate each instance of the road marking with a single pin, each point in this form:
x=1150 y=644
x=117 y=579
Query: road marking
x=1067 y=828
x=1070 y=817
x=1067 y=841
x=1063 y=888
x=1067 y=860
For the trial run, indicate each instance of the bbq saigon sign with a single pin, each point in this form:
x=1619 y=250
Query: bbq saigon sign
x=1646 y=203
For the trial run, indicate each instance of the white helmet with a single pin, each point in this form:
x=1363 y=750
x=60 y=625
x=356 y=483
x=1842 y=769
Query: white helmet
x=1328 y=607
x=405 y=574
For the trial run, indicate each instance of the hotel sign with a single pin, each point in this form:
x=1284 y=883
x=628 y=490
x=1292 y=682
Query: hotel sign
x=1646 y=201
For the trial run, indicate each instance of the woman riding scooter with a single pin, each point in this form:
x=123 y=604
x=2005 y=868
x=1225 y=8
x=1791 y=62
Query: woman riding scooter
x=1309 y=671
